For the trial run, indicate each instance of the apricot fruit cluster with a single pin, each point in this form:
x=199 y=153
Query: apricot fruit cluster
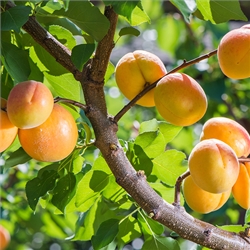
x=46 y=130
x=215 y=170
x=179 y=98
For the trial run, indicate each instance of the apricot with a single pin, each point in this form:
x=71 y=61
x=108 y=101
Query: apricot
x=8 y=131
x=180 y=100
x=234 y=53
x=241 y=189
x=29 y=104
x=228 y=131
x=53 y=140
x=134 y=71
x=4 y=237
x=200 y=200
x=214 y=166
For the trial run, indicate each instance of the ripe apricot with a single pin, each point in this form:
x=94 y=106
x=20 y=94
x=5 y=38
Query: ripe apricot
x=135 y=71
x=8 y=131
x=53 y=140
x=29 y=104
x=234 y=53
x=180 y=100
x=200 y=200
x=214 y=166
x=241 y=189
x=228 y=131
x=4 y=237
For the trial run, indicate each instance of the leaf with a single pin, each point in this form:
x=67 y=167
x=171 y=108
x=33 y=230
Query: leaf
x=152 y=143
x=105 y=234
x=16 y=62
x=129 y=230
x=220 y=11
x=87 y=17
x=247 y=216
x=91 y=185
x=129 y=31
x=81 y=54
x=17 y=157
x=39 y=186
x=160 y=243
x=169 y=166
x=14 y=18
x=186 y=7
x=233 y=228
x=109 y=72
x=64 y=191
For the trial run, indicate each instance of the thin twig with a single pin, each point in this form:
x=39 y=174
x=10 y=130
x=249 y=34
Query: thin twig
x=75 y=103
x=185 y=64
x=177 y=194
x=242 y=159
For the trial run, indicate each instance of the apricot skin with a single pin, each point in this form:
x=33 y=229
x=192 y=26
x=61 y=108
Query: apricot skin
x=201 y=201
x=8 y=131
x=180 y=100
x=214 y=166
x=53 y=140
x=134 y=71
x=228 y=131
x=234 y=53
x=29 y=104
x=241 y=189
x=4 y=237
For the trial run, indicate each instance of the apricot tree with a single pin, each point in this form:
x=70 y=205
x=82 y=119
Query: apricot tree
x=120 y=189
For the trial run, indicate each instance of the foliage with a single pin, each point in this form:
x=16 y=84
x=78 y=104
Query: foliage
x=78 y=198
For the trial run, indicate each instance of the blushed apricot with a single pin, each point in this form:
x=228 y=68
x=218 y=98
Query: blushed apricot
x=180 y=100
x=8 y=131
x=135 y=71
x=4 y=237
x=228 y=131
x=29 y=104
x=200 y=200
x=214 y=166
x=53 y=140
x=241 y=189
x=234 y=53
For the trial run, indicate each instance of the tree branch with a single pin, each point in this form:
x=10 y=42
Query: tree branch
x=174 y=217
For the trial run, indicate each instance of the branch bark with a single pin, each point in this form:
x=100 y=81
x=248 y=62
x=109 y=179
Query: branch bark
x=135 y=183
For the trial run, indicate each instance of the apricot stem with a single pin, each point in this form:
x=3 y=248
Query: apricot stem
x=242 y=159
x=177 y=194
x=75 y=103
x=185 y=64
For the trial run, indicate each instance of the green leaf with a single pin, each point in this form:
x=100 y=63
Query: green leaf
x=64 y=191
x=16 y=62
x=81 y=54
x=105 y=234
x=91 y=185
x=233 y=228
x=186 y=7
x=109 y=72
x=139 y=16
x=247 y=216
x=17 y=157
x=129 y=230
x=39 y=186
x=160 y=243
x=14 y=18
x=152 y=143
x=220 y=11
x=87 y=17
x=129 y=31
x=169 y=166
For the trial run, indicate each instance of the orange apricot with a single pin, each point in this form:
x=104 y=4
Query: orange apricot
x=200 y=200
x=241 y=189
x=29 y=104
x=234 y=53
x=53 y=140
x=4 y=237
x=135 y=71
x=214 y=166
x=180 y=100
x=228 y=131
x=8 y=131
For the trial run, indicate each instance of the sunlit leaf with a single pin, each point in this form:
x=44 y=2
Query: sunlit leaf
x=233 y=228
x=247 y=216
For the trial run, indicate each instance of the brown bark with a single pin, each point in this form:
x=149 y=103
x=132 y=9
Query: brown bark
x=135 y=183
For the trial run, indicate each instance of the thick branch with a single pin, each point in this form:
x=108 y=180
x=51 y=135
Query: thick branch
x=174 y=217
